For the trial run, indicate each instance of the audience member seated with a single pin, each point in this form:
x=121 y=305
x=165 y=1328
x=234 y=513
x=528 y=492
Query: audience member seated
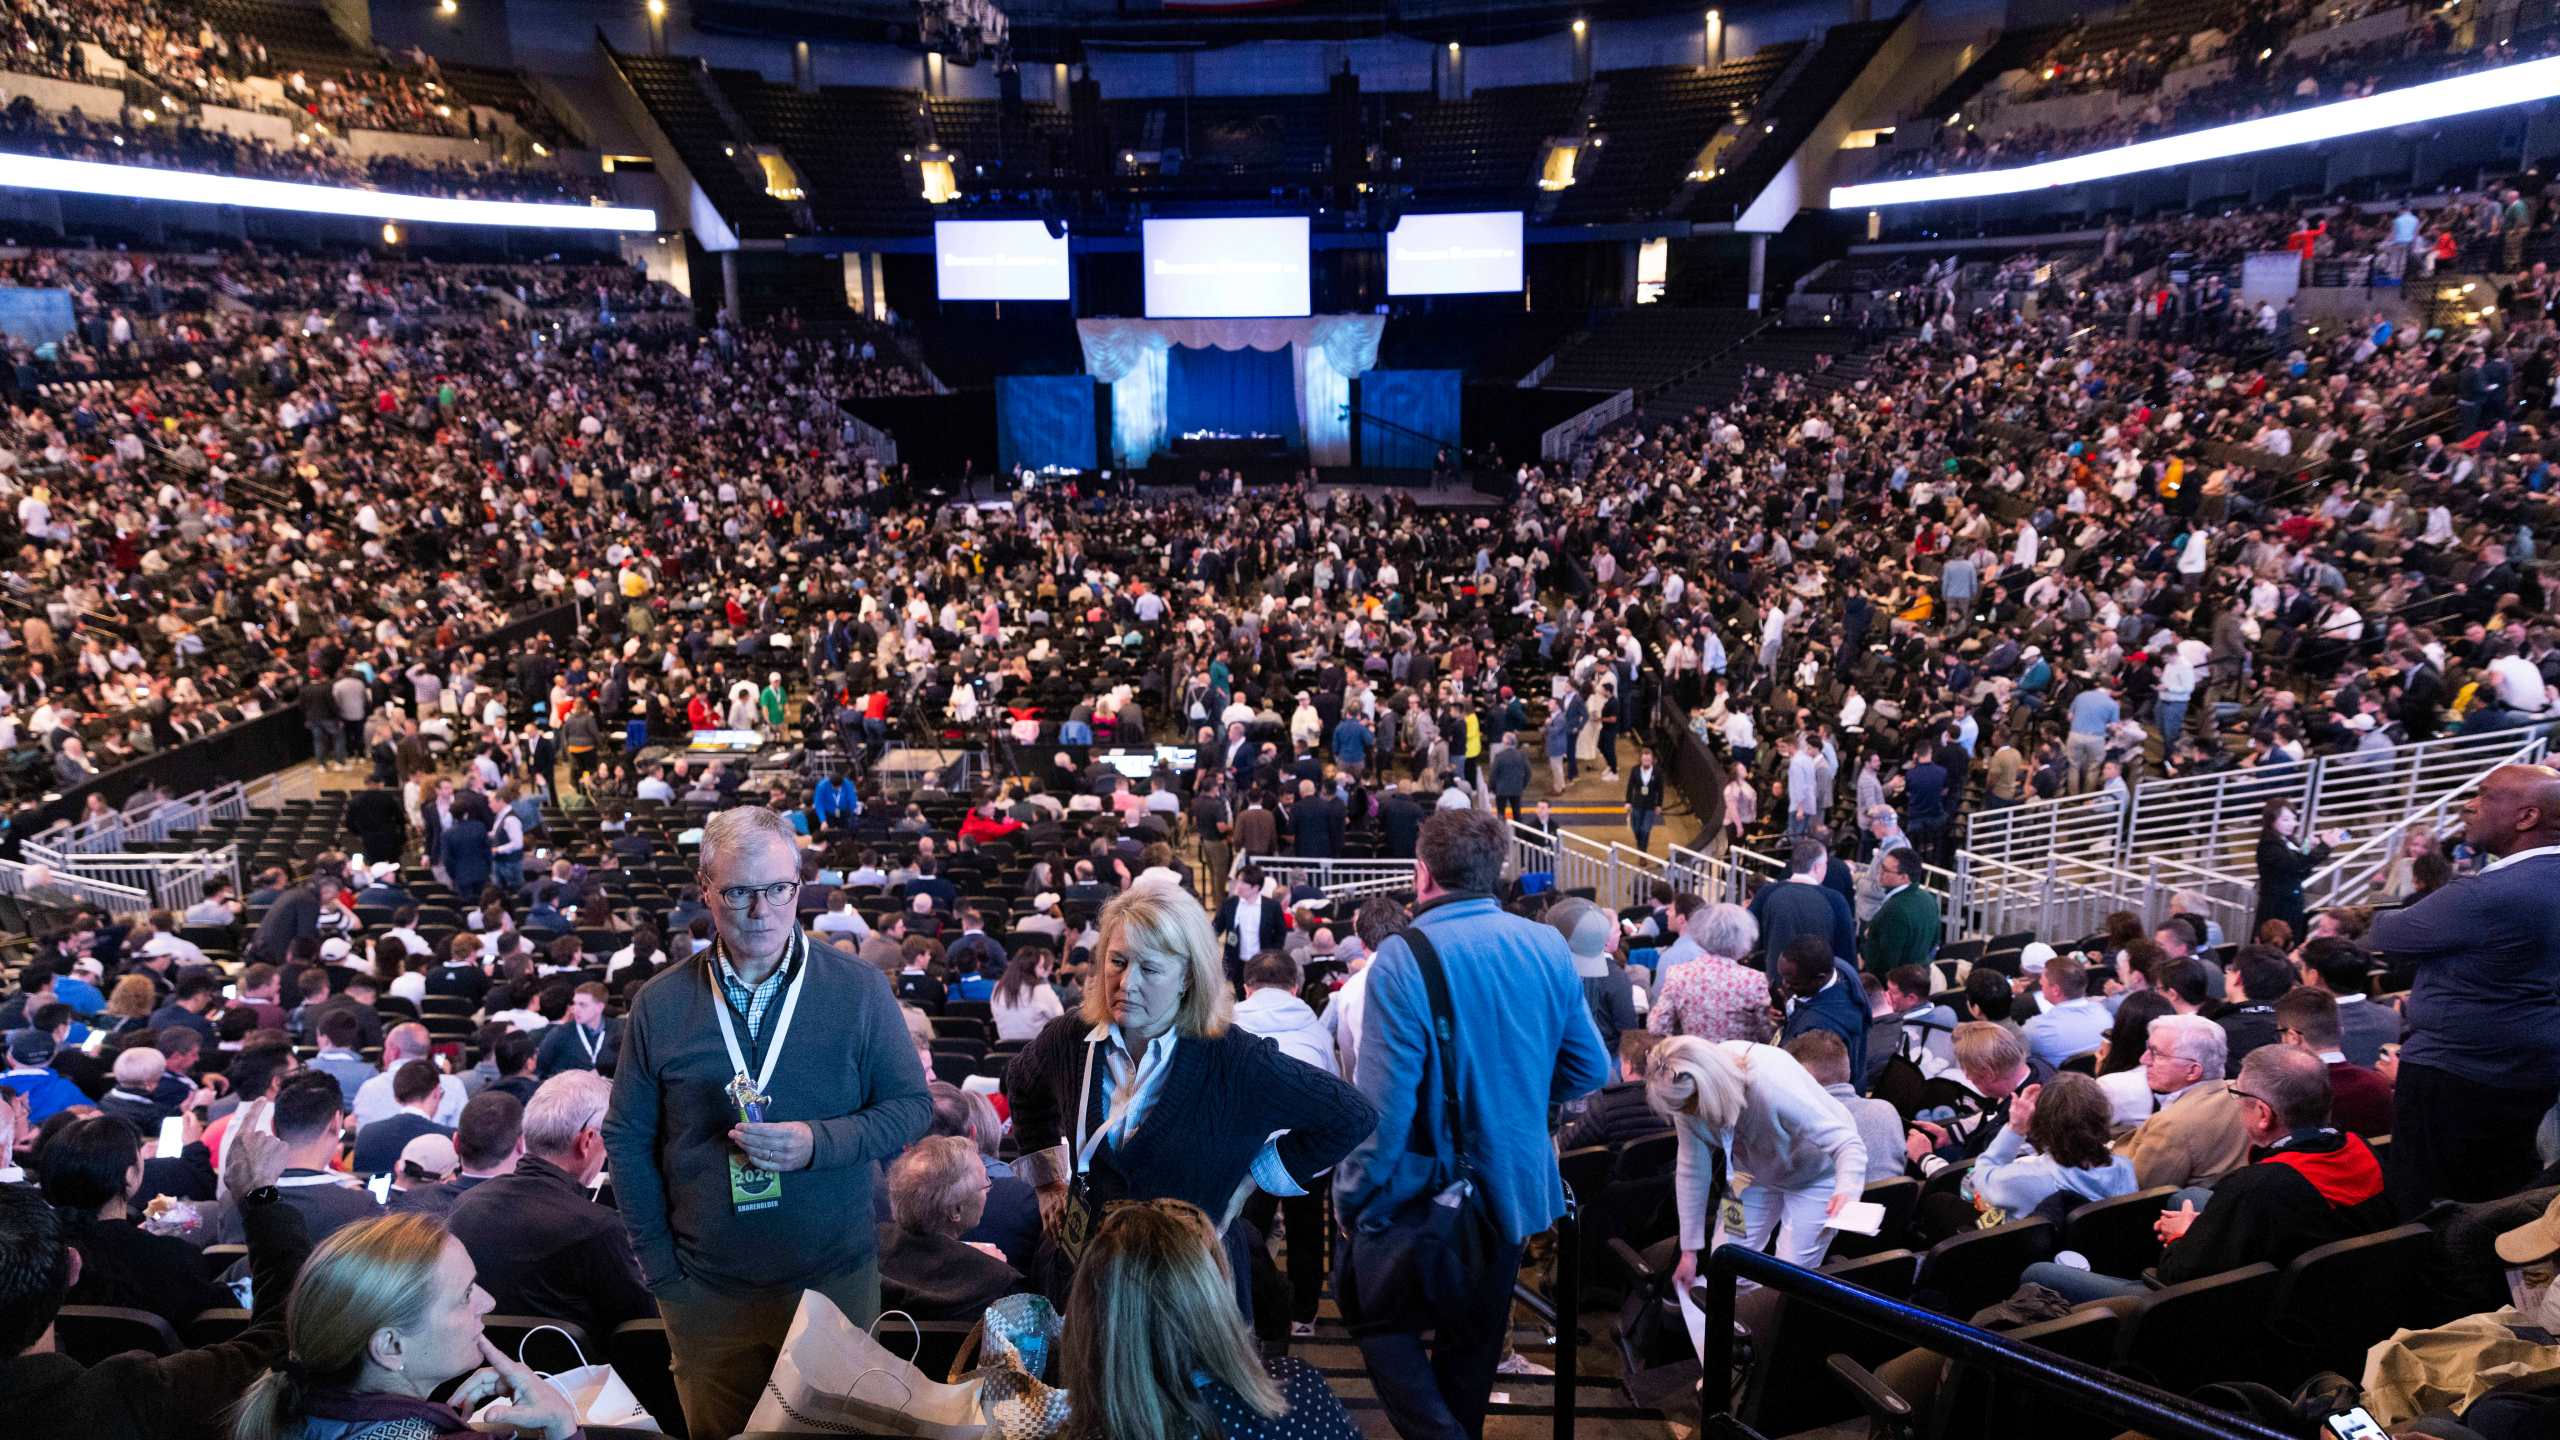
x=415 y=1090
x=2359 y=1098
x=1992 y=1061
x=387 y=1313
x=2312 y=1184
x=937 y=1193
x=2197 y=1131
x=55 y=1397
x=487 y=1143
x=310 y=1119
x=1879 y=1124
x=1619 y=1112
x=542 y=1244
x=2070 y=1021
x=2054 y=1142
x=1154 y=1344
x=92 y=1171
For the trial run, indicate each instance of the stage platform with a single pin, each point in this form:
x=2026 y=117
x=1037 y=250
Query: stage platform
x=1417 y=485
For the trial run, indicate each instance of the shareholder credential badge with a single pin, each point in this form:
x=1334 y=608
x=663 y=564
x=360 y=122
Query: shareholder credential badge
x=749 y=1187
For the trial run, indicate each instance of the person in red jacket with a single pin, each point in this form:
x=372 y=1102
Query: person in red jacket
x=2313 y=1183
x=2359 y=1098
x=987 y=821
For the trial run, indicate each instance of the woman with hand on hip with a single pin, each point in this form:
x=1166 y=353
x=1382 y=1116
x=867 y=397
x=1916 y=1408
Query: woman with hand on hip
x=1149 y=1092
x=1792 y=1156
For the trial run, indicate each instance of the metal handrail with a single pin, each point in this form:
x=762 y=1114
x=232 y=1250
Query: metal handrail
x=2125 y=1404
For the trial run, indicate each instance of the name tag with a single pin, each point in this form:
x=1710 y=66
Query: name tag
x=751 y=1188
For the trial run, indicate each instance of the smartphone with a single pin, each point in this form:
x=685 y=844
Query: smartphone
x=173 y=1137
x=2356 y=1423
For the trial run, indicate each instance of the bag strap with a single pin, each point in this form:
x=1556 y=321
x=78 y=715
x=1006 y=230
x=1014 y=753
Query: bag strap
x=1444 y=1034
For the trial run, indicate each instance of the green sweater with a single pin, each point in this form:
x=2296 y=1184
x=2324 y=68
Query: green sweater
x=848 y=1069
x=1904 y=932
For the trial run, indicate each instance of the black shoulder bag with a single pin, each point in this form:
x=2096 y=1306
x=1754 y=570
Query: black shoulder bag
x=1402 y=1276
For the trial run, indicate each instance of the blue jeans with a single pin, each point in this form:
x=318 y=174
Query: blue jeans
x=2173 y=718
x=2079 y=1286
x=1641 y=821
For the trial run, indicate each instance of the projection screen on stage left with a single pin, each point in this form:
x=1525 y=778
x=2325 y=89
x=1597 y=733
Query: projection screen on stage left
x=999 y=260
x=1477 y=253
x=1227 y=269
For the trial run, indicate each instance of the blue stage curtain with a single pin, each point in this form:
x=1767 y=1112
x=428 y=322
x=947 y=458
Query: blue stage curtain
x=1416 y=400
x=1238 y=392
x=1044 y=420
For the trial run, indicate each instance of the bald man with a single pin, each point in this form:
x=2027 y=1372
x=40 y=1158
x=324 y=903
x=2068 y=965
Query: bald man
x=2481 y=1064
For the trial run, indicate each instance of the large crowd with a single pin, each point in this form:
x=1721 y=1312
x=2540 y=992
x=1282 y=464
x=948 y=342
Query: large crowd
x=2150 y=531
x=188 y=59
x=2265 y=78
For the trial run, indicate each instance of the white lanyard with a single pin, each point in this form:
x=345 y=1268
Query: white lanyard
x=781 y=1026
x=595 y=1047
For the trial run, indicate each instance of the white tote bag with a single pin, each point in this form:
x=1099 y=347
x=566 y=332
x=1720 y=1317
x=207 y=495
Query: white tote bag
x=599 y=1394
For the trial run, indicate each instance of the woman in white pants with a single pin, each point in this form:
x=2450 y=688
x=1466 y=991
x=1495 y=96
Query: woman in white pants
x=1792 y=1156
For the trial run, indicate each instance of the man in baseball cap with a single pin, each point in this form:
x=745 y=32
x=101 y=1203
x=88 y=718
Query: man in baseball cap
x=1591 y=933
x=31 y=1074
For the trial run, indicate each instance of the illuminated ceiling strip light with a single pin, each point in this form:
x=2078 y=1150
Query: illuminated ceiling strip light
x=2436 y=100
x=139 y=182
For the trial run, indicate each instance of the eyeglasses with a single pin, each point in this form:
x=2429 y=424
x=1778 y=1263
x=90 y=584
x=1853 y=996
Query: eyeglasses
x=2245 y=1095
x=2156 y=1053
x=744 y=897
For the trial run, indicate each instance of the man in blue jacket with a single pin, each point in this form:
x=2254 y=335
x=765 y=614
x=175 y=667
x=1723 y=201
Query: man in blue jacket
x=1522 y=1041
x=2481 y=1064
x=1823 y=993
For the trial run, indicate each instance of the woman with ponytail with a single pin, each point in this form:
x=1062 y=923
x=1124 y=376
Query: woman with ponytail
x=1792 y=1156
x=385 y=1313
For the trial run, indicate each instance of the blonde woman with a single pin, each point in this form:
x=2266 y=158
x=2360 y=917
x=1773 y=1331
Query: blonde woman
x=386 y=1312
x=1792 y=1155
x=1150 y=1092
x=1154 y=1350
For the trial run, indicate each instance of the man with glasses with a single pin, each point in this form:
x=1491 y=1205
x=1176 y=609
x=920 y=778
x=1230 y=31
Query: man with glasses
x=2196 y=1133
x=2313 y=1184
x=760 y=1085
x=542 y=1244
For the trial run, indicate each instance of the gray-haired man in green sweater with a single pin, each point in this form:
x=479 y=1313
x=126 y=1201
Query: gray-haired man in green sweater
x=760 y=1086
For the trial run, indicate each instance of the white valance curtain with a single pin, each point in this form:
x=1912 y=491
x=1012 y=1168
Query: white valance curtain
x=1327 y=352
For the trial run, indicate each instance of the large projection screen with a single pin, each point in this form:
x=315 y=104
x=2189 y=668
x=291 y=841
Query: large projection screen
x=1226 y=269
x=1470 y=254
x=999 y=260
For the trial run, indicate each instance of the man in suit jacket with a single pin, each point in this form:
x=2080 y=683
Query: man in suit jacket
x=1400 y=819
x=1906 y=926
x=1315 y=824
x=1248 y=922
x=2196 y=1132
x=587 y=1041
x=1823 y=993
x=1644 y=798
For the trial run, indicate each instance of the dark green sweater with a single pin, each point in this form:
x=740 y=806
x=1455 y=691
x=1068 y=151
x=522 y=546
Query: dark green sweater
x=848 y=1069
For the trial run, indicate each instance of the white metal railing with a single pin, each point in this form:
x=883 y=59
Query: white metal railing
x=52 y=887
x=2211 y=821
x=1338 y=877
x=2351 y=876
x=1566 y=436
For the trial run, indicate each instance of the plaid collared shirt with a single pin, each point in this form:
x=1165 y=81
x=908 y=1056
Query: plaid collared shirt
x=754 y=1001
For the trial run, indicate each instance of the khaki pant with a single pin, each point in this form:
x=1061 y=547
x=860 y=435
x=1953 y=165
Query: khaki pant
x=724 y=1346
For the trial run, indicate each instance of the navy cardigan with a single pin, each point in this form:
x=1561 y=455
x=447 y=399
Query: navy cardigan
x=1223 y=1099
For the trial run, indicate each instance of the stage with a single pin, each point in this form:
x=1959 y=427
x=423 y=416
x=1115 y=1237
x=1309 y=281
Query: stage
x=1180 y=401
